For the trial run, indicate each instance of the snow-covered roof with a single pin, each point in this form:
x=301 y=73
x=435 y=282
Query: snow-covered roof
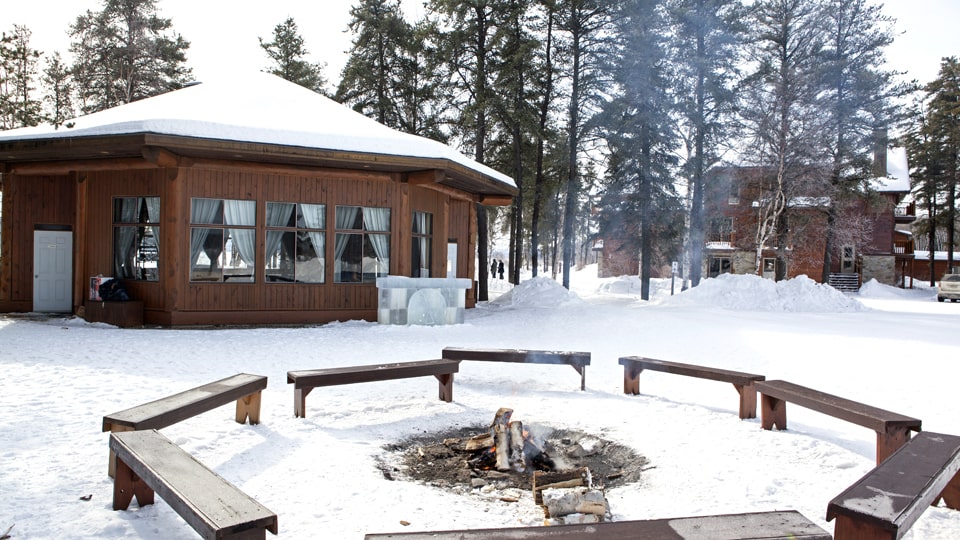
x=898 y=172
x=256 y=108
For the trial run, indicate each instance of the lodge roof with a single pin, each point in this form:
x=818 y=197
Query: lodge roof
x=256 y=117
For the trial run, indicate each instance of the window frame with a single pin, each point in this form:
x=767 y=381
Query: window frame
x=370 y=227
x=298 y=225
x=239 y=215
x=143 y=267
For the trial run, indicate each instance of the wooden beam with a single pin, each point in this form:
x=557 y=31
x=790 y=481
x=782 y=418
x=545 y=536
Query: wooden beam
x=291 y=170
x=496 y=200
x=60 y=168
x=164 y=158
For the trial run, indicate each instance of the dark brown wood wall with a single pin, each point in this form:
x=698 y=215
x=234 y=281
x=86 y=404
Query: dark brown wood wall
x=29 y=201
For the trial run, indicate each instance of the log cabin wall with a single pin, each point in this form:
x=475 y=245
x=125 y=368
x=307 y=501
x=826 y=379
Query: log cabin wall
x=462 y=227
x=29 y=201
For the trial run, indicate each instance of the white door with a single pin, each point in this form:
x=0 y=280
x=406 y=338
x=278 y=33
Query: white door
x=451 y=260
x=53 y=271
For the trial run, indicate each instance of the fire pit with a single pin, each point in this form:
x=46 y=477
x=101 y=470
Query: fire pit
x=510 y=458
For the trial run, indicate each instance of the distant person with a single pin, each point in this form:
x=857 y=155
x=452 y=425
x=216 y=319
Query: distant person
x=500 y=269
x=493 y=269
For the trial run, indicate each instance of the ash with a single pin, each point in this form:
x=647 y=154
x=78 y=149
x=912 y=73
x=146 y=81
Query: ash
x=439 y=460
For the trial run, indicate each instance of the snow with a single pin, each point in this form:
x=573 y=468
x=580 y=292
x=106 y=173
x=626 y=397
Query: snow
x=255 y=107
x=885 y=347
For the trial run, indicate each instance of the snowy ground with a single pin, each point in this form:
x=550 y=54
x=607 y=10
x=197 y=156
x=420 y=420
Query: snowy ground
x=890 y=348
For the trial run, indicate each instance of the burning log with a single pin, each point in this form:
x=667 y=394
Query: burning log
x=478 y=442
x=501 y=437
x=518 y=458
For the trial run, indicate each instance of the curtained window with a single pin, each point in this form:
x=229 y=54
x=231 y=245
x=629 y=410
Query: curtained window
x=362 y=244
x=222 y=240
x=136 y=238
x=421 y=244
x=295 y=242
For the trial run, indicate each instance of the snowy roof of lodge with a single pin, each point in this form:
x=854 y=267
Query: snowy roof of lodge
x=263 y=109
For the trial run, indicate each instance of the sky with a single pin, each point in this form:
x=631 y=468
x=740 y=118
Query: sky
x=884 y=347
x=223 y=33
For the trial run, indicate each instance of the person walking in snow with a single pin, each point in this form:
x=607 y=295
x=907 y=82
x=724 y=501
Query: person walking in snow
x=500 y=269
x=493 y=269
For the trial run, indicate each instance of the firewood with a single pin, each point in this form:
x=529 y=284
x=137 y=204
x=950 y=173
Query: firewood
x=517 y=460
x=501 y=437
x=546 y=480
x=577 y=500
x=478 y=442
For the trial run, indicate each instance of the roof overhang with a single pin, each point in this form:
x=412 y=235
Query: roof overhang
x=51 y=155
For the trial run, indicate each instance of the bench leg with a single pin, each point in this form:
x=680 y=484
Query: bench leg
x=631 y=379
x=126 y=486
x=112 y=458
x=582 y=370
x=748 y=400
x=300 y=402
x=249 y=407
x=889 y=442
x=773 y=413
x=852 y=529
x=446 y=386
x=951 y=493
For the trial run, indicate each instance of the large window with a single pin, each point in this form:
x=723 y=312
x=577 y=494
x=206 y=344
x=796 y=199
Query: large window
x=422 y=244
x=295 y=242
x=136 y=238
x=222 y=240
x=362 y=248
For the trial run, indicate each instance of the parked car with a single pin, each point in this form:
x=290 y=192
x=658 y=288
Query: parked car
x=949 y=288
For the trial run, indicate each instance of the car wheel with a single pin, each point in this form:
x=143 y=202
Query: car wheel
x=939 y=299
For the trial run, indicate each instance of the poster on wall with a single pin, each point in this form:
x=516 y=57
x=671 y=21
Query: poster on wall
x=95 y=283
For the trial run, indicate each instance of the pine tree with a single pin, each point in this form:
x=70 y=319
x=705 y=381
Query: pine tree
x=640 y=134
x=125 y=53
x=588 y=27
x=856 y=96
x=287 y=52
x=780 y=115
x=18 y=70
x=705 y=49
x=58 y=97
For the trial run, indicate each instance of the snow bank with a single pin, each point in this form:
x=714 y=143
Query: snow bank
x=754 y=293
x=539 y=292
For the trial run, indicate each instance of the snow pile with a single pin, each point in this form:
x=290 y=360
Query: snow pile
x=748 y=292
x=875 y=289
x=539 y=292
x=631 y=285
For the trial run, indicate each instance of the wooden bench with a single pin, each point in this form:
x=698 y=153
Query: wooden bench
x=578 y=360
x=243 y=388
x=886 y=502
x=148 y=463
x=786 y=525
x=743 y=382
x=893 y=429
x=306 y=380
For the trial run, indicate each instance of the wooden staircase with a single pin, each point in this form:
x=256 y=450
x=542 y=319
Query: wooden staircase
x=849 y=282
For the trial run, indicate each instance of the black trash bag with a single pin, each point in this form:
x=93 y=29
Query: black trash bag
x=113 y=291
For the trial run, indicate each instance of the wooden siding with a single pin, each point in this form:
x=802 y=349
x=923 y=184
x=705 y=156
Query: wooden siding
x=29 y=201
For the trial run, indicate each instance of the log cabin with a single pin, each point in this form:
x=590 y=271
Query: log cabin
x=245 y=201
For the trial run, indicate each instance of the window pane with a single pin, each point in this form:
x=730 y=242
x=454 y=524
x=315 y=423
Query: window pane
x=206 y=211
x=280 y=256
x=280 y=214
x=239 y=254
x=240 y=212
x=349 y=254
x=310 y=259
x=312 y=216
x=125 y=210
x=124 y=252
x=376 y=257
x=206 y=248
x=349 y=217
x=376 y=219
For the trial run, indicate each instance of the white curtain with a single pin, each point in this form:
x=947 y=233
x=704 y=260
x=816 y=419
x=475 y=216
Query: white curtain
x=201 y=211
x=378 y=219
x=314 y=217
x=346 y=216
x=278 y=215
x=242 y=213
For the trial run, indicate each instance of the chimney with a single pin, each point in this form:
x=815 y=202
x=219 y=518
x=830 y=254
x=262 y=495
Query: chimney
x=880 y=152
